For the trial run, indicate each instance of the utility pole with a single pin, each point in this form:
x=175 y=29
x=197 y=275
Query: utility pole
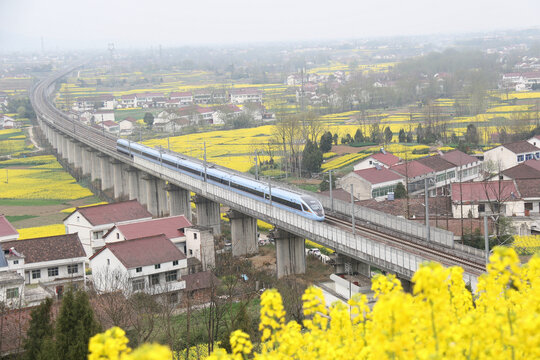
x=486 y=237
x=331 y=197
x=168 y=144
x=427 y=208
x=205 y=161
x=352 y=209
x=256 y=166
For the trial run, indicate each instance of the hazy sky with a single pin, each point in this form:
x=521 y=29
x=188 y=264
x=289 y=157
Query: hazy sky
x=141 y=23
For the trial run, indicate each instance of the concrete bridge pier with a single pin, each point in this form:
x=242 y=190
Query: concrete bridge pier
x=105 y=172
x=153 y=186
x=120 y=190
x=70 y=151
x=86 y=161
x=54 y=139
x=290 y=253
x=243 y=233
x=95 y=166
x=162 y=195
x=133 y=184
x=77 y=156
x=208 y=213
x=179 y=201
x=345 y=265
x=62 y=150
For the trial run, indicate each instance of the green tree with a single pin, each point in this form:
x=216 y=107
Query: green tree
x=40 y=329
x=311 y=157
x=402 y=137
x=75 y=325
x=148 y=119
x=388 y=135
x=326 y=142
x=325 y=183
x=335 y=138
x=359 y=137
x=400 y=192
x=420 y=134
x=375 y=135
x=471 y=135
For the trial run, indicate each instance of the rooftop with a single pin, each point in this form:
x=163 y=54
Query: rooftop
x=113 y=213
x=529 y=188
x=436 y=163
x=522 y=171
x=144 y=251
x=49 y=248
x=459 y=158
x=172 y=227
x=412 y=169
x=377 y=176
x=199 y=280
x=521 y=147
x=503 y=190
x=387 y=158
x=6 y=229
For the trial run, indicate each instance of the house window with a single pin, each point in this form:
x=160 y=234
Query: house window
x=529 y=206
x=175 y=262
x=154 y=279
x=73 y=268
x=12 y=293
x=52 y=271
x=138 y=284
x=157 y=266
x=529 y=156
x=520 y=158
x=171 y=275
x=15 y=262
x=481 y=208
x=117 y=236
x=190 y=251
x=108 y=261
x=139 y=269
x=36 y=274
x=98 y=235
x=173 y=298
x=195 y=236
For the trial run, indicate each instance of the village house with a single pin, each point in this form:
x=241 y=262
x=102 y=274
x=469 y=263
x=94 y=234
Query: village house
x=415 y=174
x=370 y=183
x=474 y=199
x=128 y=101
x=240 y=96
x=7 y=231
x=508 y=155
x=382 y=159
x=150 y=264
x=183 y=98
x=529 y=169
x=103 y=115
x=6 y=122
x=104 y=102
x=127 y=125
x=111 y=126
x=202 y=97
x=535 y=140
x=224 y=113
x=527 y=220
x=468 y=167
x=92 y=222
x=51 y=262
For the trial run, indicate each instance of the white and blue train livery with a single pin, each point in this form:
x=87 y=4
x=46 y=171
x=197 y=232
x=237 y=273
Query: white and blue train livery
x=305 y=205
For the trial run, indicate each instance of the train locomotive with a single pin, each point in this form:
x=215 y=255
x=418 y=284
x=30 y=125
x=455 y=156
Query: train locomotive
x=304 y=205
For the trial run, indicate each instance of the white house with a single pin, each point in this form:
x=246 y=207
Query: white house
x=11 y=287
x=200 y=245
x=183 y=98
x=506 y=156
x=468 y=167
x=111 y=126
x=7 y=231
x=535 y=140
x=382 y=159
x=172 y=227
x=240 y=96
x=92 y=222
x=373 y=183
x=224 y=113
x=150 y=264
x=52 y=262
x=103 y=115
x=127 y=125
x=128 y=101
x=486 y=197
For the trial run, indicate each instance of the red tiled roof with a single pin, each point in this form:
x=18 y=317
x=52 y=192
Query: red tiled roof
x=504 y=190
x=387 y=159
x=377 y=176
x=180 y=94
x=169 y=226
x=529 y=188
x=437 y=163
x=144 y=251
x=522 y=171
x=535 y=164
x=245 y=92
x=458 y=158
x=113 y=213
x=520 y=147
x=49 y=248
x=6 y=229
x=412 y=169
x=109 y=123
x=130 y=119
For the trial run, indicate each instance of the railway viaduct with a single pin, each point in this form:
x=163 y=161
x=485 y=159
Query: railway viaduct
x=376 y=239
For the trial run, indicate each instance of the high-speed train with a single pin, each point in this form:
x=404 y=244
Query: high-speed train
x=304 y=205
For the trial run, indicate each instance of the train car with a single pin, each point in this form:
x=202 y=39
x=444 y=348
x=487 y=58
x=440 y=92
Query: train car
x=304 y=205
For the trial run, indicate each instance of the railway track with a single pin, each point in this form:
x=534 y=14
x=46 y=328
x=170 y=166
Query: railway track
x=432 y=254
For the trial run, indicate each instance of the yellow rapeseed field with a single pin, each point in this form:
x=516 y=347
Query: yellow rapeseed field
x=41 y=231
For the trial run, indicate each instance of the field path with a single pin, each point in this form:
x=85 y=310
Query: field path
x=31 y=136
